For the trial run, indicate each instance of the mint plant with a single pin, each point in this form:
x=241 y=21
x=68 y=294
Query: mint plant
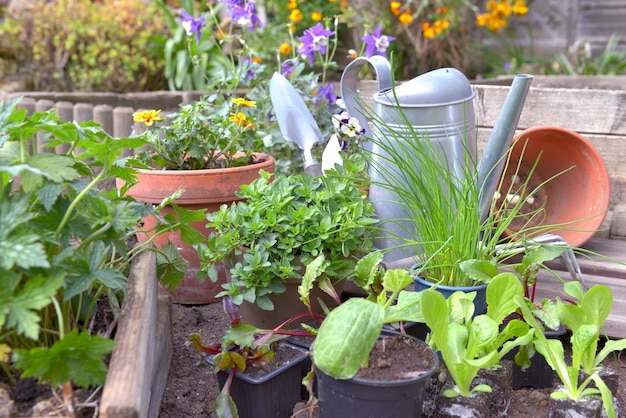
x=284 y=219
x=65 y=243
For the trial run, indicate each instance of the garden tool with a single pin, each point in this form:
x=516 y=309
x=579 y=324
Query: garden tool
x=295 y=120
x=438 y=106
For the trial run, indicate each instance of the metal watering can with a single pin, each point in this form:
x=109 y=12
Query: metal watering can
x=438 y=104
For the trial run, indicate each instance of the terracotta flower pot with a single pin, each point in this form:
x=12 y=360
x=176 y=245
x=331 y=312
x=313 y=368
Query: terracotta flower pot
x=575 y=197
x=204 y=189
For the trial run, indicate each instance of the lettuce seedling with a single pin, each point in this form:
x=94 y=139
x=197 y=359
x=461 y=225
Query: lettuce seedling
x=468 y=344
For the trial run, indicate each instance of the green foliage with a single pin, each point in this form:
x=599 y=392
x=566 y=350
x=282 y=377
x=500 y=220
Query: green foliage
x=585 y=319
x=348 y=333
x=444 y=224
x=203 y=135
x=69 y=45
x=64 y=242
x=188 y=65
x=281 y=220
x=611 y=61
x=468 y=344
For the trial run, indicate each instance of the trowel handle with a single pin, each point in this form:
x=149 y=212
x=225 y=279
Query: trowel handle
x=350 y=79
x=314 y=170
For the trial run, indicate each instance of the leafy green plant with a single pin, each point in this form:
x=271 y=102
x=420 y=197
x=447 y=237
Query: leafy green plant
x=470 y=343
x=444 y=223
x=65 y=242
x=285 y=219
x=207 y=133
x=585 y=319
x=90 y=46
x=611 y=61
x=347 y=335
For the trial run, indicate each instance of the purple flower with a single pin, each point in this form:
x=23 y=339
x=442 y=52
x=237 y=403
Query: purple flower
x=250 y=67
x=243 y=13
x=327 y=92
x=314 y=40
x=288 y=66
x=193 y=25
x=377 y=44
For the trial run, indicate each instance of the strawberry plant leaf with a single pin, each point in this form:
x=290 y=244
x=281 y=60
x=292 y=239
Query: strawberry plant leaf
x=78 y=357
x=20 y=303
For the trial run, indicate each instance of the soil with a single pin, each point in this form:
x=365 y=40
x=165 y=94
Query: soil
x=192 y=385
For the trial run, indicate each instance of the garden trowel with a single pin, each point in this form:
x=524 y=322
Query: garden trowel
x=295 y=120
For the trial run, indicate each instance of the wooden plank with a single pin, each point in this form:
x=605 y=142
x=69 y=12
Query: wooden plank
x=127 y=389
x=164 y=346
x=585 y=111
x=615 y=326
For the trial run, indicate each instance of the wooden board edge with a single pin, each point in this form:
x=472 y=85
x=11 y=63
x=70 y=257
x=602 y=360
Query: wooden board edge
x=126 y=392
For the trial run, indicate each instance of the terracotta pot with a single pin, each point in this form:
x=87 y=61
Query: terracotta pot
x=204 y=189
x=574 y=201
x=286 y=305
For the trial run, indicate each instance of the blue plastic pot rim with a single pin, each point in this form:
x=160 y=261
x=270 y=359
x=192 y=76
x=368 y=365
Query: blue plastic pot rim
x=450 y=288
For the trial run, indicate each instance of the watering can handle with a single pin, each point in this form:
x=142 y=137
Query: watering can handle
x=349 y=81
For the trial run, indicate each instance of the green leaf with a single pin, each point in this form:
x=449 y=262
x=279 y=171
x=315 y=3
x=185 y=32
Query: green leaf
x=224 y=405
x=501 y=293
x=396 y=280
x=77 y=358
x=480 y=271
x=407 y=308
x=366 y=269
x=19 y=305
x=346 y=337
x=171 y=266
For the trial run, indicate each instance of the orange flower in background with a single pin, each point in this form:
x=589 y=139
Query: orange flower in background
x=395 y=8
x=344 y=4
x=520 y=8
x=295 y=15
x=428 y=30
x=285 y=48
x=148 y=117
x=316 y=16
x=293 y=4
x=406 y=17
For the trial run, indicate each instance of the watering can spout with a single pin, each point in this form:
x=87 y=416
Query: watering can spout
x=494 y=154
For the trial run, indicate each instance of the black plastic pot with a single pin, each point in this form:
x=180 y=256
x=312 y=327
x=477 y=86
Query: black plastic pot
x=539 y=374
x=271 y=395
x=373 y=398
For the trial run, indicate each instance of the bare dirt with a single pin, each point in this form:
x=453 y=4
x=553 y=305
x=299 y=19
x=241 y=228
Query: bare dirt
x=192 y=387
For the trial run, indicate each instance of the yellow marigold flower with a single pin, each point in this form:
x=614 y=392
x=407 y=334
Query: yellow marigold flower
x=316 y=16
x=295 y=15
x=147 y=116
x=293 y=4
x=482 y=19
x=242 y=101
x=257 y=60
x=285 y=48
x=241 y=120
x=333 y=1
x=520 y=8
x=395 y=8
x=405 y=18
x=428 y=30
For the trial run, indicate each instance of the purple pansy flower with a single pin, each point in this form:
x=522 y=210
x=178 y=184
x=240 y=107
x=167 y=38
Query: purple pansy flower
x=377 y=44
x=193 y=25
x=314 y=40
x=243 y=13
